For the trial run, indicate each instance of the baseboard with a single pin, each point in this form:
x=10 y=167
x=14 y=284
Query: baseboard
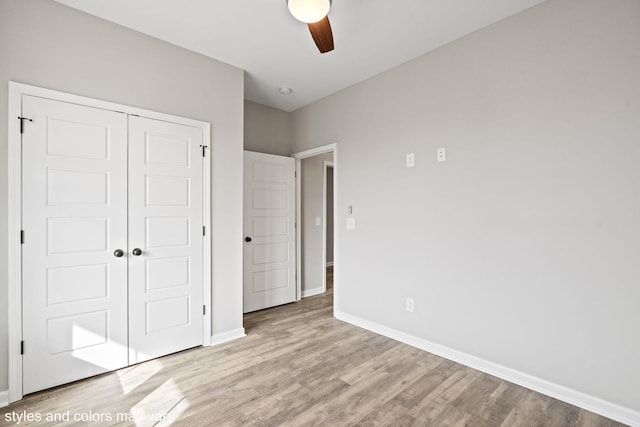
x=312 y=292
x=329 y=263
x=574 y=397
x=4 y=398
x=227 y=336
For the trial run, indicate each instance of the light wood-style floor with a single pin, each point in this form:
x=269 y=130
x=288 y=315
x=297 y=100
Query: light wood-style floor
x=299 y=366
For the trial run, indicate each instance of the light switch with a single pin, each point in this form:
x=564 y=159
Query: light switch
x=318 y=220
x=351 y=223
x=442 y=154
x=411 y=160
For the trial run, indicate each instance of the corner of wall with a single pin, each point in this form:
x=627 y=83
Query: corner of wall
x=311 y=292
x=225 y=337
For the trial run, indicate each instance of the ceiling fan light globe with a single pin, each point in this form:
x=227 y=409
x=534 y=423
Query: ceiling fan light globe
x=309 y=11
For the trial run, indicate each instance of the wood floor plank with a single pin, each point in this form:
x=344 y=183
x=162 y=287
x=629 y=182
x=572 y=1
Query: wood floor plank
x=559 y=414
x=589 y=419
x=299 y=366
x=452 y=416
x=496 y=407
x=305 y=400
x=436 y=402
x=359 y=399
x=529 y=411
x=389 y=413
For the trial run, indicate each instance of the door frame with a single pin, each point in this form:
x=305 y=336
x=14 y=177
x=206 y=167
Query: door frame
x=14 y=259
x=325 y=169
x=299 y=156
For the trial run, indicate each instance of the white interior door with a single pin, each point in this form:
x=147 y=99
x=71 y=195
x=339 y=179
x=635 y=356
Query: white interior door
x=269 y=227
x=165 y=238
x=74 y=219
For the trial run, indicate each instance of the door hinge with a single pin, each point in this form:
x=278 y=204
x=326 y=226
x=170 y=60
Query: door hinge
x=21 y=347
x=204 y=150
x=204 y=310
x=22 y=237
x=22 y=119
x=204 y=231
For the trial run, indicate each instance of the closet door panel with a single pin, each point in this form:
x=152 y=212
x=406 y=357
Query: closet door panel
x=74 y=219
x=165 y=238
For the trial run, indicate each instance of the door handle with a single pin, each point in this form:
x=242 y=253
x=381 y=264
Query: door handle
x=247 y=239
x=137 y=252
x=118 y=253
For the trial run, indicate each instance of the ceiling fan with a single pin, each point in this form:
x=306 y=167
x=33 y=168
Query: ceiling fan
x=314 y=14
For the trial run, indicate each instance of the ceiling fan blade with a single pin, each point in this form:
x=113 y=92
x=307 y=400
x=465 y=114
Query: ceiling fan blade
x=322 y=35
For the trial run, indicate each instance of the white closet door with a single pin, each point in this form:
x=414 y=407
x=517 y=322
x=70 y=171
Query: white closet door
x=74 y=219
x=165 y=225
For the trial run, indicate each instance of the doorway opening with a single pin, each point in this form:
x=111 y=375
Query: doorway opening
x=316 y=197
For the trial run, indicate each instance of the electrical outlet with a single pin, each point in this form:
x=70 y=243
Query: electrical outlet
x=411 y=160
x=409 y=305
x=442 y=154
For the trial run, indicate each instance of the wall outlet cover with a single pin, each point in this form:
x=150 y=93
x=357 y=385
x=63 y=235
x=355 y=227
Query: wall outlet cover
x=411 y=160
x=409 y=305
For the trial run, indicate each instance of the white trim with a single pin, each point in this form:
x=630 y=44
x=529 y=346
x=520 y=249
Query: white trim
x=14 y=259
x=228 y=336
x=557 y=391
x=329 y=148
x=4 y=398
x=313 y=292
x=206 y=244
x=24 y=89
x=315 y=151
x=336 y=232
x=298 y=229
x=329 y=264
x=325 y=165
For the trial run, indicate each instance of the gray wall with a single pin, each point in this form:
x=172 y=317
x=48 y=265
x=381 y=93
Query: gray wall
x=312 y=268
x=266 y=130
x=43 y=43
x=523 y=247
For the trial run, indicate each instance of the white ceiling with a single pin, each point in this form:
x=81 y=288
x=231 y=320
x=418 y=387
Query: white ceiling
x=261 y=37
